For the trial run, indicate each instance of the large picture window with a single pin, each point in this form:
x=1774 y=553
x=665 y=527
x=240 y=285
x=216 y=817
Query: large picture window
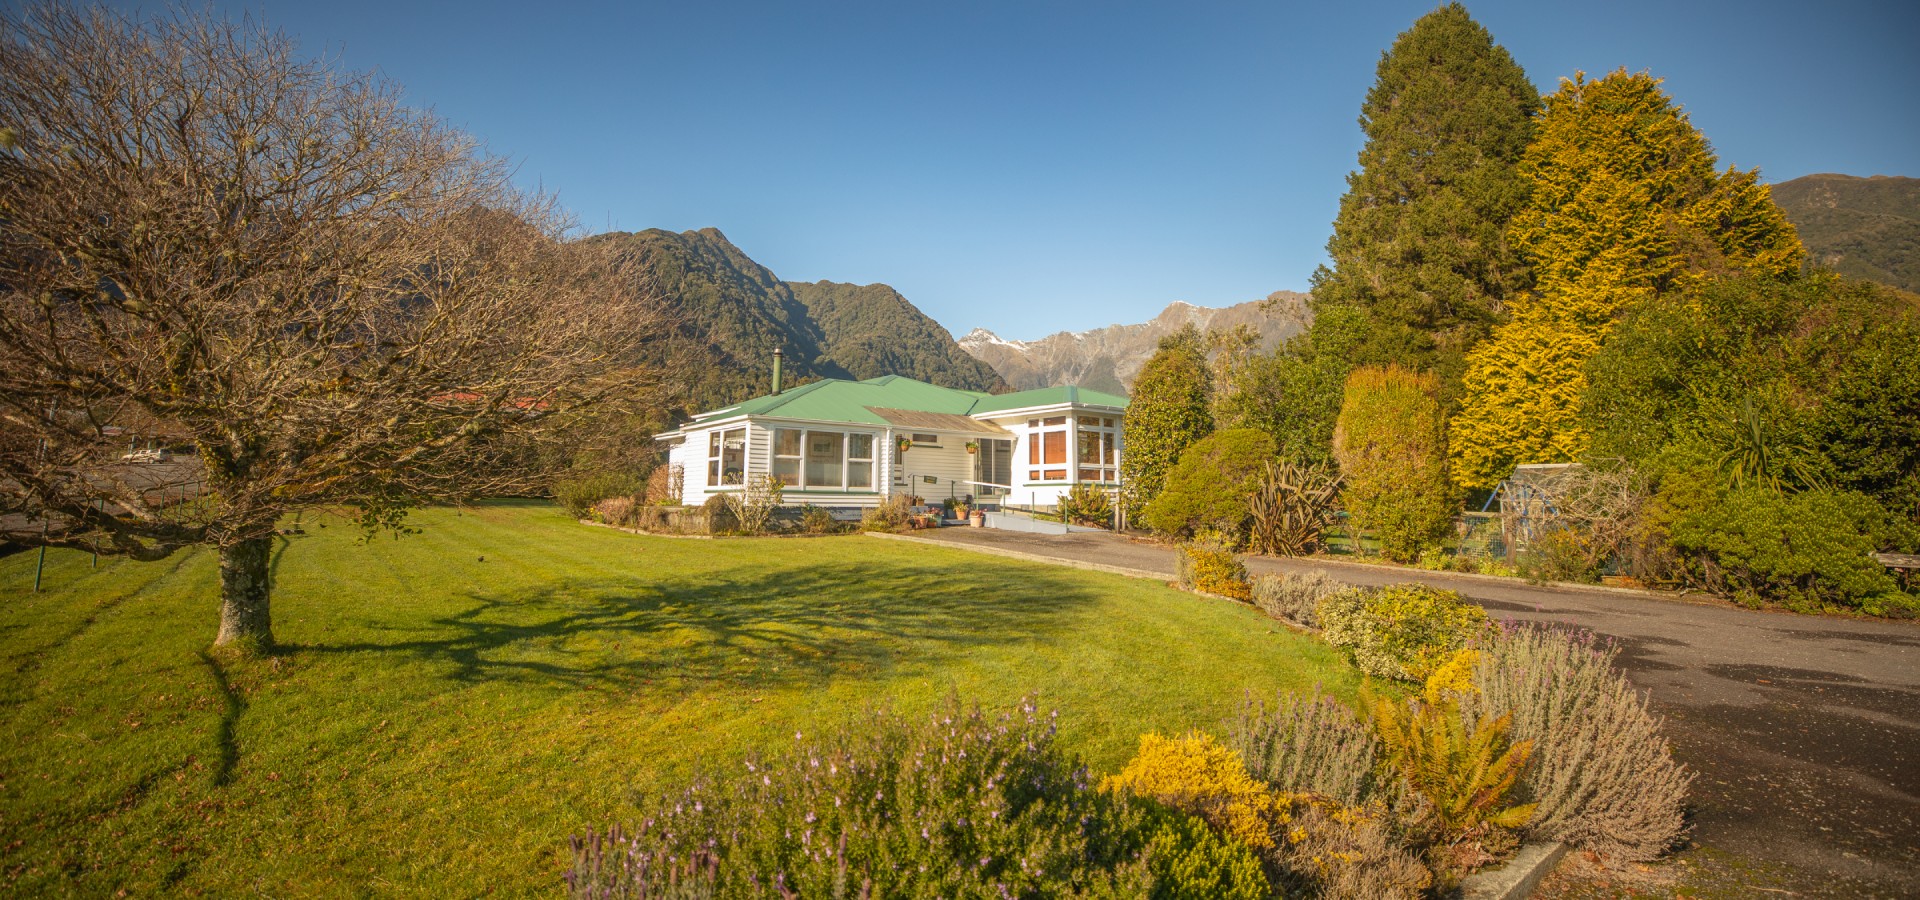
x=1047 y=449
x=1093 y=442
x=823 y=460
x=1099 y=450
x=826 y=451
x=726 y=457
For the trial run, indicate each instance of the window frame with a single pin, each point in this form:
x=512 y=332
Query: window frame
x=1073 y=426
x=801 y=484
x=717 y=456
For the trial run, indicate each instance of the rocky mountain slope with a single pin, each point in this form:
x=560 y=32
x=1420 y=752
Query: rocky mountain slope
x=1107 y=359
x=1864 y=227
x=728 y=313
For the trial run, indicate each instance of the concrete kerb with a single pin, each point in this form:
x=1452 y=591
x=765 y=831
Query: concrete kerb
x=1508 y=581
x=1669 y=596
x=1519 y=878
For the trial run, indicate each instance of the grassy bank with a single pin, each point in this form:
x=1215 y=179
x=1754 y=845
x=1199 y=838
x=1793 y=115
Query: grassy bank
x=449 y=706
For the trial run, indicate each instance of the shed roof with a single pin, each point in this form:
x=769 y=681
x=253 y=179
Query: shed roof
x=910 y=418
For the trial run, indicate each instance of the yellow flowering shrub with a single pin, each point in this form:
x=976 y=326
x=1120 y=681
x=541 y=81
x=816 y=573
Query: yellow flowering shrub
x=1313 y=846
x=1199 y=775
x=1455 y=676
x=1208 y=564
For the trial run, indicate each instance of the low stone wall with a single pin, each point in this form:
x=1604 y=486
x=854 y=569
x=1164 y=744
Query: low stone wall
x=694 y=520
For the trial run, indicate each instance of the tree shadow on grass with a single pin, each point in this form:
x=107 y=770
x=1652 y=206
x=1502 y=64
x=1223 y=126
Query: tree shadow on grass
x=744 y=629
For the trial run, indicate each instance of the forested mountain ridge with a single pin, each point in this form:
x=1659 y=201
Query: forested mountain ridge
x=872 y=330
x=1107 y=359
x=1864 y=227
x=727 y=314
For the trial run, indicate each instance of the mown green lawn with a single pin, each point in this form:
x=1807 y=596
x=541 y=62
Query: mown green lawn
x=449 y=706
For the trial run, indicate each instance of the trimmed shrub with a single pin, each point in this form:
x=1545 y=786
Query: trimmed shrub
x=1210 y=487
x=1808 y=551
x=1603 y=776
x=1208 y=564
x=621 y=511
x=959 y=803
x=1310 y=744
x=1562 y=554
x=890 y=516
x=1294 y=597
x=814 y=520
x=1197 y=775
x=1403 y=631
x=1188 y=859
x=1086 y=504
x=720 y=516
x=1313 y=847
x=1171 y=409
x=577 y=495
x=1391 y=447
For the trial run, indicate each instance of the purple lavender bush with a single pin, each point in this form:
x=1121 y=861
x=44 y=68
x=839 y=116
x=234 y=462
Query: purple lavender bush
x=959 y=803
x=1603 y=775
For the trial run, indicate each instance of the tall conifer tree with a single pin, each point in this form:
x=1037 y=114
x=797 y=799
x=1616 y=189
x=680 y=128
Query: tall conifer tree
x=1171 y=408
x=1420 y=246
x=1626 y=208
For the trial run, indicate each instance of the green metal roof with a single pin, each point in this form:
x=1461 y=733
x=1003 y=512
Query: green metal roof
x=1052 y=396
x=834 y=400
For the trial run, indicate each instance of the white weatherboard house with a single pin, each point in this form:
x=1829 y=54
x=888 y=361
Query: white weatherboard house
x=856 y=443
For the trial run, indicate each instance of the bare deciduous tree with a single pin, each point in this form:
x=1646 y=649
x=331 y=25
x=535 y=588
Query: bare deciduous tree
x=335 y=300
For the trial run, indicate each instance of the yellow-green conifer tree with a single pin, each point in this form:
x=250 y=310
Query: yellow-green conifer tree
x=1392 y=452
x=1626 y=207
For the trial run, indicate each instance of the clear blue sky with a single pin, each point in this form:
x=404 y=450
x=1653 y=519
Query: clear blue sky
x=1032 y=167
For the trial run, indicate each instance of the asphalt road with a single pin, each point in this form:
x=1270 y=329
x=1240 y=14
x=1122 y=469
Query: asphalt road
x=1805 y=730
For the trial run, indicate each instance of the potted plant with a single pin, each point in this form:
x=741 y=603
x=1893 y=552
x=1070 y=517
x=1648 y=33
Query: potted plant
x=979 y=518
x=906 y=444
x=973 y=446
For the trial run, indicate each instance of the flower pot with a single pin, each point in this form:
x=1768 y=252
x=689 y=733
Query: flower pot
x=979 y=518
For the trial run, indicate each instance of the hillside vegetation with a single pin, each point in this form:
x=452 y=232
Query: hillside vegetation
x=871 y=331
x=728 y=313
x=1863 y=227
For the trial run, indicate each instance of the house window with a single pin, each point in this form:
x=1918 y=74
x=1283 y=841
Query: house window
x=859 y=462
x=926 y=440
x=786 y=455
x=1047 y=449
x=825 y=453
x=1099 y=457
x=726 y=457
x=823 y=460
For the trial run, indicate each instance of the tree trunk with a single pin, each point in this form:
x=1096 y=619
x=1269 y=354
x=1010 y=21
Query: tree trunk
x=245 y=587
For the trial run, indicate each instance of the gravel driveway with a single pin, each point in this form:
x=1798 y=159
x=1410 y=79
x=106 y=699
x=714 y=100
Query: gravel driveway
x=1805 y=730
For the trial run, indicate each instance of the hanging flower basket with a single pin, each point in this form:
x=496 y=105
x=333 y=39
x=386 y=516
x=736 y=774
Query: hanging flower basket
x=973 y=446
x=906 y=444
